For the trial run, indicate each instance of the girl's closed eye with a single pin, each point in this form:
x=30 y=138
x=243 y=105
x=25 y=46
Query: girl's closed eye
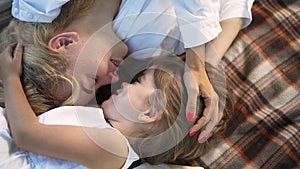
x=138 y=77
x=139 y=80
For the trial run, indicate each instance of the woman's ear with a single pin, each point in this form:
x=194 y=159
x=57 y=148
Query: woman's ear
x=62 y=40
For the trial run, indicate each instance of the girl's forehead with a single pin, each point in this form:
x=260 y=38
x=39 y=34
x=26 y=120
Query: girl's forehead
x=149 y=73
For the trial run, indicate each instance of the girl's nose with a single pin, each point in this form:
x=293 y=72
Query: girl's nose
x=124 y=84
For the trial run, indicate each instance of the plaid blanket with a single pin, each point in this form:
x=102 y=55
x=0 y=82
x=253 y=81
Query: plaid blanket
x=263 y=66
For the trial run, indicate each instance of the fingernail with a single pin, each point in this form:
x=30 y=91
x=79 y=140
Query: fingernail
x=20 y=44
x=201 y=140
x=208 y=136
x=190 y=116
x=192 y=133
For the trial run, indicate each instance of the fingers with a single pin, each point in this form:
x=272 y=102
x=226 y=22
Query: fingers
x=10 y=61
x=214 y=118
x=18 y=53
x=199 y=124
x=17 y=57
x=193 y=92
x=205 y=94
x=211 y=123
x=8 y=50
x=210 y=119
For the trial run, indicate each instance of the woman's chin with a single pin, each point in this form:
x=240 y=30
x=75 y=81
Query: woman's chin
x=114 y=77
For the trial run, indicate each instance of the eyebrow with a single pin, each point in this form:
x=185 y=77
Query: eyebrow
x=143 y=77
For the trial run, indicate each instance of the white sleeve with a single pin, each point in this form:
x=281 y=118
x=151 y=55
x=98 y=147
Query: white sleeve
x=198 y=21
x=236 y=9
x=44 y=11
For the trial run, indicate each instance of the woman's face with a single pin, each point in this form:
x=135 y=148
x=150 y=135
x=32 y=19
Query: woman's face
x=132 y=99
x=94 y=61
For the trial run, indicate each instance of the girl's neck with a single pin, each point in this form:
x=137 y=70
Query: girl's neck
x=126 y=129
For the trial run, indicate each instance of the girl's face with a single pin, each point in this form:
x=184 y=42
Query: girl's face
x=132 y=99
x=94 y=61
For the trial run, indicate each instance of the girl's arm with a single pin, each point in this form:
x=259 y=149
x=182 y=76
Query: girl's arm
x=78 y=144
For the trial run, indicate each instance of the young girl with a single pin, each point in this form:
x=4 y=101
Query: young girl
x=144 y=119
x=154 y=27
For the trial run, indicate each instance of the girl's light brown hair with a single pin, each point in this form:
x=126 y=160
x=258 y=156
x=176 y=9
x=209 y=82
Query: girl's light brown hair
x=180 y=147
x=44 y=71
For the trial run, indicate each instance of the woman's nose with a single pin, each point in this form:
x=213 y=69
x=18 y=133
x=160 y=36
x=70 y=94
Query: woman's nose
x=121 y=49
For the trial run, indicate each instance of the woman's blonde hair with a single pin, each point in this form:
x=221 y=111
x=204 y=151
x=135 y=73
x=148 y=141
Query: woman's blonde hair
x=44 y=71
x=174 y=145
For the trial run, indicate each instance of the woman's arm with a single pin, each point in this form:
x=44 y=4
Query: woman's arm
x=198 y=84
x=195 y=58
x=78 y=144
x=230 y=29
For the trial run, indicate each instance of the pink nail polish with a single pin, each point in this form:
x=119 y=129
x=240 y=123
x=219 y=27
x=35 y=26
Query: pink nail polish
x=208 y=136
x=190 y=116
x=192 y=133
x=201 y=140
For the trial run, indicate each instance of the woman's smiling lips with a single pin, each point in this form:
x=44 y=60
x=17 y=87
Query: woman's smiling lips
x=116 y=62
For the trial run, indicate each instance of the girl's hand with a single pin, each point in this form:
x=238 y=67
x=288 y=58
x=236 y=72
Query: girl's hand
x=11 y=62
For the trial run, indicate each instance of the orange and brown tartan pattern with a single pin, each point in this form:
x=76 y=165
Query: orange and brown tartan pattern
x=263 y=67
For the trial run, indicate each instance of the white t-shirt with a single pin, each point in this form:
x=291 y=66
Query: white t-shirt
x=67 y=115
x=154 y=27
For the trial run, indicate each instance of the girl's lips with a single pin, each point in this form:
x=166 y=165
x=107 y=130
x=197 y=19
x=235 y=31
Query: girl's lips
x=118 y=91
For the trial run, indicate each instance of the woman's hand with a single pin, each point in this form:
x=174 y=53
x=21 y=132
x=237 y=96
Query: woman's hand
x=198 y=85
x=11 y=62
x=210 y=117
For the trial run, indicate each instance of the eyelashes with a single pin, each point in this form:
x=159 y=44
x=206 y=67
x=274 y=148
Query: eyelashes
x=137 y=77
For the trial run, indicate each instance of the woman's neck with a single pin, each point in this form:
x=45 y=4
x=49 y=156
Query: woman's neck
x=105 y=10
x=101 y=14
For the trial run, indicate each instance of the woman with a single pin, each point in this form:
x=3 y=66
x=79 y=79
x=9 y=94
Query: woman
x=59 y=48
x=150 y=112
